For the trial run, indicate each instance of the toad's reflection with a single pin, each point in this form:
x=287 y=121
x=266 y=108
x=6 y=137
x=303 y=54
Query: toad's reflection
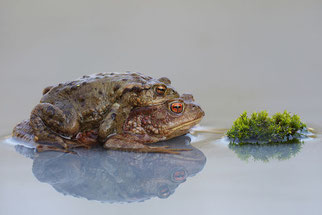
x=114 y=176
x=266 y=152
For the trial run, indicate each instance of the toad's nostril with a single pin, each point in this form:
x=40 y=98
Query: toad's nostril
x=187 y=97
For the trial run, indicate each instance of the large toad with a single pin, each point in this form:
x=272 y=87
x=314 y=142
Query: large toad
x=94 y=109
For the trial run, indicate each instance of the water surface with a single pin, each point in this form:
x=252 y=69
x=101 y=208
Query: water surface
x=233 y=56
x=213 y=176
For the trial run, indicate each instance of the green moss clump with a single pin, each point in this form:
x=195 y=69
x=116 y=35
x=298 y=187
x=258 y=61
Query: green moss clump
x=260 y=128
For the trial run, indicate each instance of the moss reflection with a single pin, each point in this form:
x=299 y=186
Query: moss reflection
x=266 y=152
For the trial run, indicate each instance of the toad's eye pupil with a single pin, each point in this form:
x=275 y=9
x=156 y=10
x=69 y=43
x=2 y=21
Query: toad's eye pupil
x=161 y=90
x=176 y=107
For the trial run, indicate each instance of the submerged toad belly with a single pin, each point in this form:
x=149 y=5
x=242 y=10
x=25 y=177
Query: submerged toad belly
x=104 y=108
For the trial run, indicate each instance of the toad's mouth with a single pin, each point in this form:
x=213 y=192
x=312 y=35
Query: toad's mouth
x=184 y=126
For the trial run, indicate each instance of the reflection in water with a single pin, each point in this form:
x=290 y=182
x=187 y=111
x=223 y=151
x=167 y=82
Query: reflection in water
x=266 y=152
x=114 y=176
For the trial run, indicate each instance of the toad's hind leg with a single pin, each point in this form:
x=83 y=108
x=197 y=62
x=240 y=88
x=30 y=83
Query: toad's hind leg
x=135 y=144
x=47 y=120
x=23 y=131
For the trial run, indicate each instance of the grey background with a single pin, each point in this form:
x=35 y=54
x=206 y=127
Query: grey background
x=232 y=55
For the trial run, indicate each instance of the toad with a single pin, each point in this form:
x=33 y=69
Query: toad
x=93 y=109
x=146 y=125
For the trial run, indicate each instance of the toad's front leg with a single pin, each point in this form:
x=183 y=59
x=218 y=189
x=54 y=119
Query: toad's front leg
x=137 y=143
x=113 y=121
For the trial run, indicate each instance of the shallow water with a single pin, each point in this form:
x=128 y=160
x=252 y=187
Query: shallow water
x=231 y=55
x=279 y=179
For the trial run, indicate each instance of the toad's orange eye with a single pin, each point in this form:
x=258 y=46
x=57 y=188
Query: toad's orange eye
x=176 y=107
x=161 y=89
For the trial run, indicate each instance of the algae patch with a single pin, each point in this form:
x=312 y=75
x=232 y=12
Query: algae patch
x=259 y=128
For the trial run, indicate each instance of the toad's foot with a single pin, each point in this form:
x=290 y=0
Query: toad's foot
x=63 y=146
x=134 y=144
x=43 y=148
x=87 y=138
x=23 y=131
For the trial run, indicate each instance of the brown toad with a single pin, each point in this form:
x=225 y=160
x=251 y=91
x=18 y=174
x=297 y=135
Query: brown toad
x=156 y=123
x=144 y=125
x=99 y=103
